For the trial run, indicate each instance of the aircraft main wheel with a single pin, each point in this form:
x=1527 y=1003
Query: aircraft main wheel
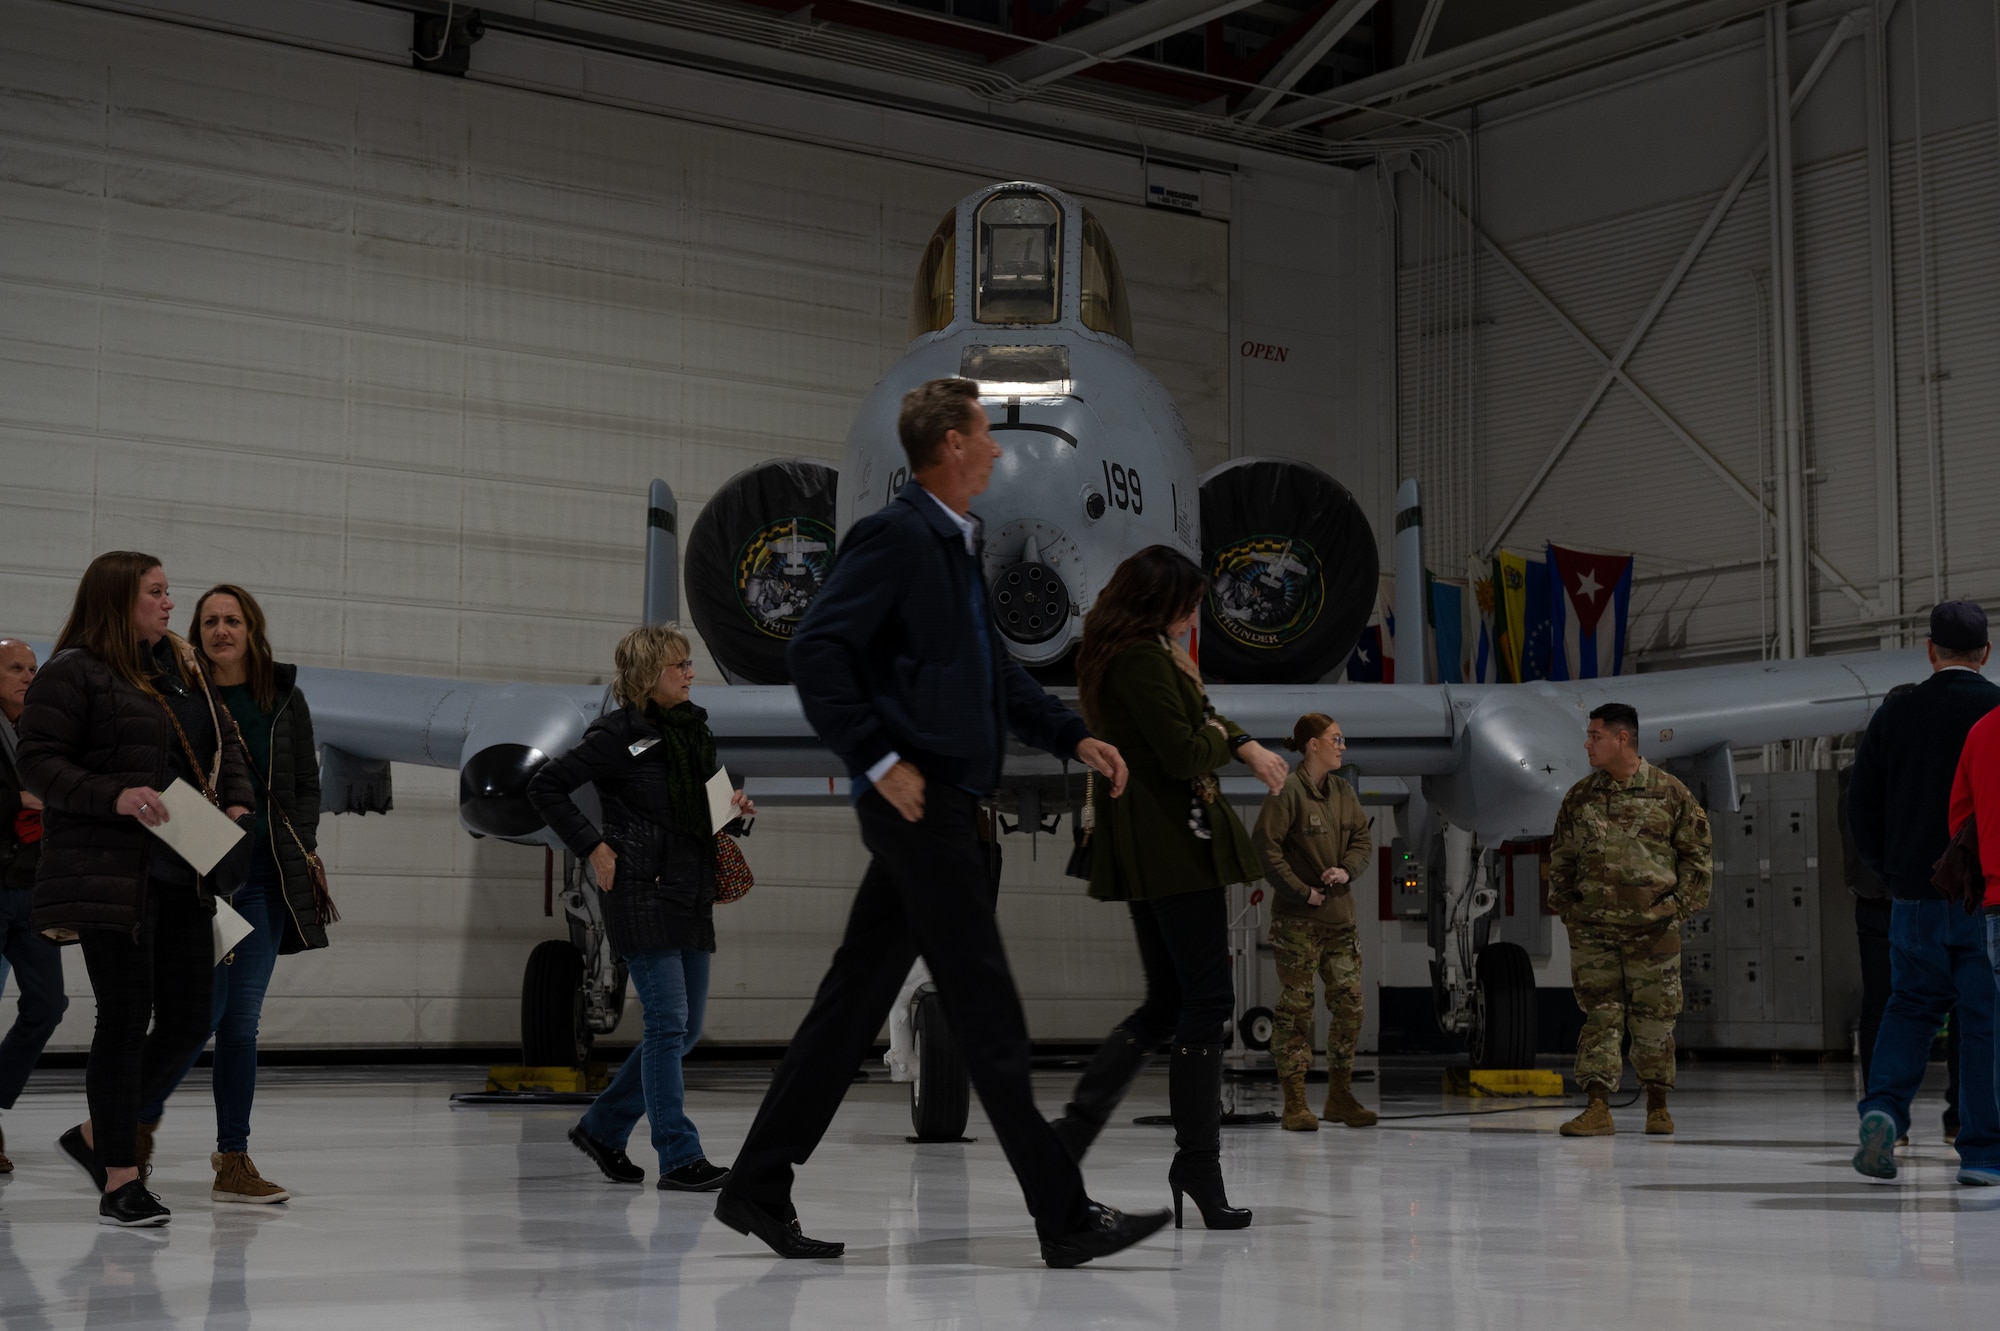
x=941 y=1096
x=1257 y=1027
x=553 y=1031
x=1505 y=1035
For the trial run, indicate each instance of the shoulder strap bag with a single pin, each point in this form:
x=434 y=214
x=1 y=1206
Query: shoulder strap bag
x=315 y=870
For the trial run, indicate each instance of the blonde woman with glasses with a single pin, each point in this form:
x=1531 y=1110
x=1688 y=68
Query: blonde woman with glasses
x=654 y=863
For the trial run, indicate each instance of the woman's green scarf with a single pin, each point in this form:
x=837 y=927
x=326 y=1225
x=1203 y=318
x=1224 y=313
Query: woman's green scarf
x=690 y=757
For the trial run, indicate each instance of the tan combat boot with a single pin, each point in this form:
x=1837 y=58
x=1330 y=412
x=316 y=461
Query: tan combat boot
x=1595 y=1120
x=1341 y=1106
x=237 y=1180
x=1297 y=1117
x=1659 y=1123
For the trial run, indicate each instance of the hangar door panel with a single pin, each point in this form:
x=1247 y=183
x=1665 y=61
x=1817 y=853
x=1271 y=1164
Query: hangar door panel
x=400 y=353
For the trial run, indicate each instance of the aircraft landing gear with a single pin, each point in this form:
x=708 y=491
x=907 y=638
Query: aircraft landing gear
x=574 y=989
x=1484 y=989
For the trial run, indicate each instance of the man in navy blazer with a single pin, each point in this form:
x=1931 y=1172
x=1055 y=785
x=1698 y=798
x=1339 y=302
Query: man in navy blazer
x=901 y=673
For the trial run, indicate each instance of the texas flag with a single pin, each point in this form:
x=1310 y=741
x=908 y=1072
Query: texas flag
x=1590 y=595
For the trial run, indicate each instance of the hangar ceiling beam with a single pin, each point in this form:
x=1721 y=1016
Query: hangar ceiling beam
x=1574 y=39
x=1109 y=38
x=1310 y=49
x=1614 y=365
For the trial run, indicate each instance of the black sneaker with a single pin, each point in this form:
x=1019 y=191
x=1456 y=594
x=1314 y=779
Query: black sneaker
x=617 y=1166
x=79 y=1151
x=132 y=1207
x=699 y=1176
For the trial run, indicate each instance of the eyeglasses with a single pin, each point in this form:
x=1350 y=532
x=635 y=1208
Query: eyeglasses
x=687 y=665
x=1338 y=741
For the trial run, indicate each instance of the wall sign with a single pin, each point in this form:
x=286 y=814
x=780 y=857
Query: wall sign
x=1264 y=351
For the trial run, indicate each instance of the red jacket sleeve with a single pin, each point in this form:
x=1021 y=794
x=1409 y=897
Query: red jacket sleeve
x=1975 y=792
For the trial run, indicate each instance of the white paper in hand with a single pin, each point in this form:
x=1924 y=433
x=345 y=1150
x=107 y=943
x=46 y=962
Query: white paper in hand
x=197 y=831
x=230 y=928
x=720 y=797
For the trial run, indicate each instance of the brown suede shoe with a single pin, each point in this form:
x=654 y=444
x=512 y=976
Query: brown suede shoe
x=1595 y=1120
x=237 y=1180
x=6 y=1165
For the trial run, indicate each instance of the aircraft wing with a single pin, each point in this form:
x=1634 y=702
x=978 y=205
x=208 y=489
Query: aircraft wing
x=1495 y=758
x=1498 y=758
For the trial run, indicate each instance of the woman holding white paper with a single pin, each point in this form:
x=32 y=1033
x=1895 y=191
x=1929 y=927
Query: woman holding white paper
x=654 y=862
x=119 y=713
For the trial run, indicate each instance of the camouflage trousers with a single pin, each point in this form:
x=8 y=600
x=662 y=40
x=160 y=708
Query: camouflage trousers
x=1305 y=949
x=1627 y=982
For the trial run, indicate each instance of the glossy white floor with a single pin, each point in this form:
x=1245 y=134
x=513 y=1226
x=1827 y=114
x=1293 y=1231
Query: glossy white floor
x=412 y=1213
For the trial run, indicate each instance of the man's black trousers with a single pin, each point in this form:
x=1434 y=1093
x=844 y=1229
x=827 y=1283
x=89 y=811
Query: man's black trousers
x=926 y=891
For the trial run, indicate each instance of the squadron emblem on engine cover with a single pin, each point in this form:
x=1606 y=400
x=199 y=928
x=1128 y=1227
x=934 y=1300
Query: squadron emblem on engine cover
x=779 y=571
x=1266 y=590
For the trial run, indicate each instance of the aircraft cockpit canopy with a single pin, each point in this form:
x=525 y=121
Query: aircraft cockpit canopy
x=1018 y=266
x=1018 y=269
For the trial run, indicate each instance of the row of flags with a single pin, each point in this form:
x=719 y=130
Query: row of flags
x=1512 y=619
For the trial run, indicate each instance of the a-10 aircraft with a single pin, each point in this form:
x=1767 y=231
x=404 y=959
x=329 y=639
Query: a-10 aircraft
x=1019 y=289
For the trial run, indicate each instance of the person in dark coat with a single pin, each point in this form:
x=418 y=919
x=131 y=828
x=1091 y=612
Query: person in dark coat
x=34 y=960
x=269 y=717
x=1168 y=849
x=1898 y=807
x=902 y=674
x=654 y=863
x=119 y=712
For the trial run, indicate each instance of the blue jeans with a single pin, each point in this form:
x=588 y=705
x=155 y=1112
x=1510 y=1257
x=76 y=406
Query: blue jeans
x=673 y=997
x=37 y=967
x=1939 y=957
x=240 y=983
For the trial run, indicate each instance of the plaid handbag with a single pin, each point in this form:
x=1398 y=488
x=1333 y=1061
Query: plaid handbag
x=732 y=871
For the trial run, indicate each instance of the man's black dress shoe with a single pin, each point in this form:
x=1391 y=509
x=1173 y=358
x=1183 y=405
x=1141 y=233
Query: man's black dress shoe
x=79 y=1151
x=617 y=1166
x=1104 y=1232
x=783 y=1237
x=132 y=1207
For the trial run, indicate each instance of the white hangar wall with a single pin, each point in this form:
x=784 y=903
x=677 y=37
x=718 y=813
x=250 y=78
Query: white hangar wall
x=1595 y=189
x=401 y=352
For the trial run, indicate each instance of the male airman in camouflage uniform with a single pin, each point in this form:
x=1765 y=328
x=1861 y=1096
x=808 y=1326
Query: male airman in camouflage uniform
x=1629 y=863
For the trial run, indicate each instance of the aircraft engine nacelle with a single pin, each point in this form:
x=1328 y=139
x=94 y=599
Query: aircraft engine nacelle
x=1292 y=572
x=1523 y=751
x=515 y=731
x=756 y=557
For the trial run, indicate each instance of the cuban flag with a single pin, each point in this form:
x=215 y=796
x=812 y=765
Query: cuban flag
x=1590 y=597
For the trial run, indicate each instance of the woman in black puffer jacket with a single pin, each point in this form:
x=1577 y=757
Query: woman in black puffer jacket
x=654 y=861
x=119 y=712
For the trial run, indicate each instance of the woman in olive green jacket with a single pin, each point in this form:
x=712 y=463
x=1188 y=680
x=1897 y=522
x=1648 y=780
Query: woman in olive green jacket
x=1168 y=848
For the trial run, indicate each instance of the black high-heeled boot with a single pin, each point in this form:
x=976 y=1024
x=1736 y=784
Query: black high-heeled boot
x=1112 y=1070
x=1194 y=1091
